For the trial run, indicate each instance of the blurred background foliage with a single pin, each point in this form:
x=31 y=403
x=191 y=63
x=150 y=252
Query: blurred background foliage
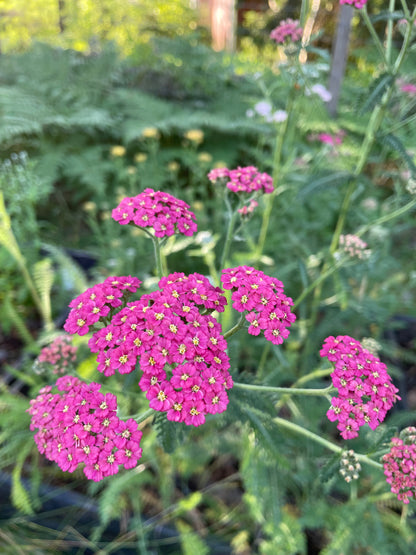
x=99 y=100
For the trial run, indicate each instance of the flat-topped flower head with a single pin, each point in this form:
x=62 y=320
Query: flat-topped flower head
x=59 y=355
x=356 y=3
x=400 y=465
x=365 y=389
x=79 y=425
x=172 y=335
x=243 y=180
x=262 y=299
x=162 y=212
x=288 y=31
x=97 y=301
x=354 y=246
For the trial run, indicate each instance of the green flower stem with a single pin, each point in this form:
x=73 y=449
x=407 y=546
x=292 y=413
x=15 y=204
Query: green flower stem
x=263 y=358
x=387 y=217
x=237 y=327
x=292 y=390
x=318 y=439
x=320 y=373
x=313 y=286
x=143 y=416
x=373 y=127
x=389 y=39
x=373 y=34
x=158 y=256
x=302 y=380
x=405 y=9
x=405 y=44
x=277 y=157
x=233 y=215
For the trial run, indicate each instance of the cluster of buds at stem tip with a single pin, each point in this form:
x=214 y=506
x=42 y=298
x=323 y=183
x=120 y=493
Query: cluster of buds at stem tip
x=349 y=466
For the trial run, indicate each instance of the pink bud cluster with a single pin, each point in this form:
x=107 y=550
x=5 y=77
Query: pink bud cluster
x=60 y=354
x=161 y=211
x=172 y=327
x=288 y=30
x=400 y=465
x=354 y=246
x=328 y=139
x=97 y=302
x=243 y=180
x=356 y=3
x=365 y=389
x=408 y=88
x=248 y=209
x=79 y=425
x=262 y=299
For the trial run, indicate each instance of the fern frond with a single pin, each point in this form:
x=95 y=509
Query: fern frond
x=19 y=495
x=17 y=321
x=43 y=277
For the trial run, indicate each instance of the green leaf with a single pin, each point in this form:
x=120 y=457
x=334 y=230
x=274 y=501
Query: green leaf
x=20 y=497
x=377 y=89
x=396 y=144
x=43 y=277
x=192 y=544
x=169 y=434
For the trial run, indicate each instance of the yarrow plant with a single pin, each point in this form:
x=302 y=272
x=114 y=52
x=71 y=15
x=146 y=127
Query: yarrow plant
x=243 y=180
x=365 y=389
x=288 y=31
x=79 y=426
x=356 y=3
x=59 y=356
x=400 y=465
x=161 y=211
x=262 y=300
x=97 y=302
x=354 y=246
x=178 y=344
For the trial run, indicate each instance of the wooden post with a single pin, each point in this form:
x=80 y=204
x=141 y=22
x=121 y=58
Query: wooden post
x=223 y=22
x=339 y=56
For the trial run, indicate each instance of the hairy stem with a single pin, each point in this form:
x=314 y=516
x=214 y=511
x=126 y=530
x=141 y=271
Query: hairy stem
x=318 y=439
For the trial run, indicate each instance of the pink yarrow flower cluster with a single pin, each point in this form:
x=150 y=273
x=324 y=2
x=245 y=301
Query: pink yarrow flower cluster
x=328 y=139
x=262 y=299
x=288 y=30
x=161 y=211
x=365 y=389
x=356 y=3
x=178 y=345
x=79 y=425
x=400 y=465
x=408 y=88
x=97 y=302
x=60 y=354
x=243 y=180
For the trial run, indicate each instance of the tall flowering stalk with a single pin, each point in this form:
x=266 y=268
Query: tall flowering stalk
x=247 y=184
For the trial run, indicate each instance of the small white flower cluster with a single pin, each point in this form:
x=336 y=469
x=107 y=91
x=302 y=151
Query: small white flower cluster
x=354 y=246
x=350 y=467
x=411 y=186
x=265 y=110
